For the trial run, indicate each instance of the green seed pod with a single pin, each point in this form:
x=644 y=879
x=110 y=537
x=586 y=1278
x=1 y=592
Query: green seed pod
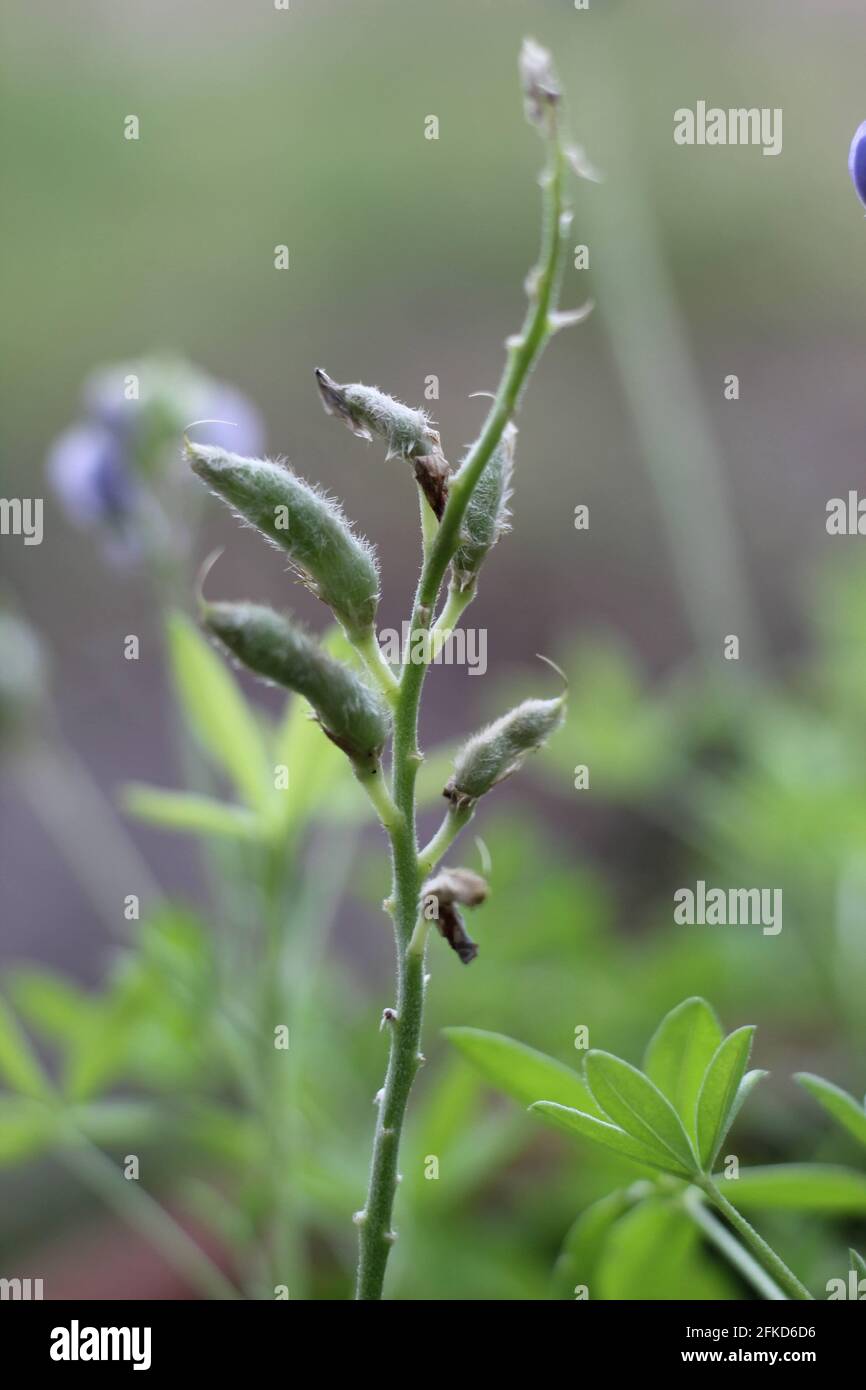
x=408 y=433
x=493 y=754
x=487 y=515
x=338 y=566
x=349 y=712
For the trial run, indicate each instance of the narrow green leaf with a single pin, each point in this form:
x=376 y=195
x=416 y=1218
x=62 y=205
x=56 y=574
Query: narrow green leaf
x=189 y=813
x=26 y=1127
x=631 y=1101
x=810 y=1187
x=218 y=713
x=838 y=1103
x=520 y=1071
x=602 y=1132
x=584 y=1242
x=719 y=1092
x=679 y=1053
x=115 y=1121
x=744 y=1090
x=653 y=1253
x=858 y=1264
x=18 y=1065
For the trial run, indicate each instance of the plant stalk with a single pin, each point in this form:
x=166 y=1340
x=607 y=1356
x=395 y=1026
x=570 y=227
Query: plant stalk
x=767 y=1256
x=375 y=1220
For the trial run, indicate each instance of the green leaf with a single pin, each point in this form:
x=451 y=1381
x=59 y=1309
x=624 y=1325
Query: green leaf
x=858 y=1264
x=838 y=1103
x=584 y=1243
x=679 y=1053
x=806 y=1187
x=115 y=1121
x=631 y=1100
x=190 y=813
x=744 y=1090
x=718 y=1093
x=653 y=1253
x=51 y=1005
x=26 y=1127
x=18 y=1065
x=520 y=1071
x=601 y=1132
x=218 y=714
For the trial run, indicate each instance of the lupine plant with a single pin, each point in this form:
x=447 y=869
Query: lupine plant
x=671 y=1117
x=463 y=513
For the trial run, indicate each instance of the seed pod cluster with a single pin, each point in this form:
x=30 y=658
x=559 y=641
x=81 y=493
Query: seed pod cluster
x=447 y=891
x=487 y=515
x=493 y=754
x=277 y=649
x=336 y=564
x=407 y=433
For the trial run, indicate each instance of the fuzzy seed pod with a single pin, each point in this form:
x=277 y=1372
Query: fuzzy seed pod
x=493 y=754
x=541 y=89
x=407 y=433
x=447 y=889
x=487 y=515
x=338 y=566
x=349 y=712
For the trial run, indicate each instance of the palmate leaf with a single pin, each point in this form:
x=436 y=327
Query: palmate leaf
x=717 y=1101
x=637 y=1106
x=520 y=1071
x=679 y=1053
x=837 y=1103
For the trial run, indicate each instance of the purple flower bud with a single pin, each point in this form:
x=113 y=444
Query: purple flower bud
x=857 y=162
x=89 y=473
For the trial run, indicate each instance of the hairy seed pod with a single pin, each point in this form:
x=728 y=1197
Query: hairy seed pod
x=407 y=433
x=493 y=754
x=487 y=516
x=336 y=564
x=277 y=649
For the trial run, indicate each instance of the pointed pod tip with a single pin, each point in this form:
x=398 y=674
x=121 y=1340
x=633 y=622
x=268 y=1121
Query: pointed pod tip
x=554 y=667
x=204 y=570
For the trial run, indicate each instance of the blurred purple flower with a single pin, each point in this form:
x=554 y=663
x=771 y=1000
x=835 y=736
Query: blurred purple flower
x=89 y=473
x=114 y=469
x=857 y=162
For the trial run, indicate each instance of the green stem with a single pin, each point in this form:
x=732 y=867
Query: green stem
x=457 y=602
x=453 y=822
x=374 y=1221
x=730 y=1247
x=756 y=1243
x=374 y=660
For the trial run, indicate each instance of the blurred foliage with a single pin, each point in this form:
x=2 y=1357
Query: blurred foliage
x=170 y=1051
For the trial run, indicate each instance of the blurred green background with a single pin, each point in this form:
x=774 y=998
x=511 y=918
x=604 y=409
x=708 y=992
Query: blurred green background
x=407 y=256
